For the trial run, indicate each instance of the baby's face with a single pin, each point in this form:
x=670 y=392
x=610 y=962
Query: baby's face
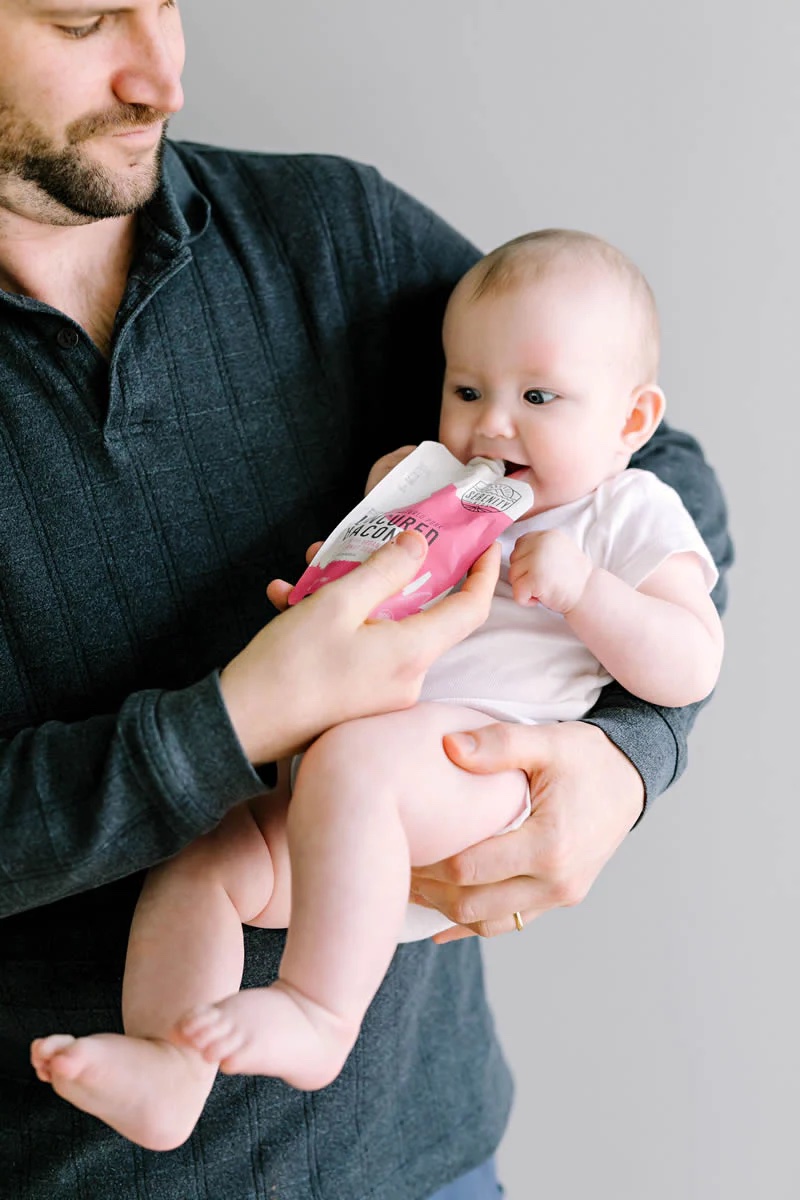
x=541 y=375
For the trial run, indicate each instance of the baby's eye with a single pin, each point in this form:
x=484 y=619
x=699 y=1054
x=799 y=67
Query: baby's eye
x=537 y=396
x=468 y=394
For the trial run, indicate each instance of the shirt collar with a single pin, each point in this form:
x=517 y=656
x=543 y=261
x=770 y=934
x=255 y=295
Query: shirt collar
x=178 y=213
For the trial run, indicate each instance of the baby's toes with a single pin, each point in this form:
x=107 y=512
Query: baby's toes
x=204 y=1027
x=43 y=1050
x=224 y=1047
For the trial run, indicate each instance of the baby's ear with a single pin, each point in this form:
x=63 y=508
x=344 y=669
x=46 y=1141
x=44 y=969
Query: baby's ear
x=645 y=410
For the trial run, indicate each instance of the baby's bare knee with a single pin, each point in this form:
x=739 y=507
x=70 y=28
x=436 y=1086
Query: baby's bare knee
x=340 y=751
x=348 y=766
x=233 y=858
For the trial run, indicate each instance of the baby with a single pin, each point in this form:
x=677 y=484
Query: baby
x=552 y=346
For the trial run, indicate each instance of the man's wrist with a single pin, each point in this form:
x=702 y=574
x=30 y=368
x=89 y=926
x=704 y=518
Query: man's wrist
x=637 y=785
x=247 y=708
x=642 y=735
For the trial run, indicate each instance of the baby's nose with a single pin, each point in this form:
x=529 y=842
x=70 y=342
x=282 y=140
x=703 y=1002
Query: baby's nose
x=495 y=422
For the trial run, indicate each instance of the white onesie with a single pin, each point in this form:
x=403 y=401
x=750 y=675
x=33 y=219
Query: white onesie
x=526 y=664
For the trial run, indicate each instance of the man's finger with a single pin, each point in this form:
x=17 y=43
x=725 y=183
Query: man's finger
x=491 y=861
x=454 y=934
x=489 y=928
x=449 y=621
x=492 y=904
x=384 y=573
x=484 y=902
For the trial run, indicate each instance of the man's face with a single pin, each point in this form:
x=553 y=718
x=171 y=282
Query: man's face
x=86 y=88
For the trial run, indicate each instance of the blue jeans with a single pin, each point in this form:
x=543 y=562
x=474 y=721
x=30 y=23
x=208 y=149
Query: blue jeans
x=480 y=1184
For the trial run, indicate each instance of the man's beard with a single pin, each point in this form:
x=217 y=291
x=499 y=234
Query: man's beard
x=68 y=176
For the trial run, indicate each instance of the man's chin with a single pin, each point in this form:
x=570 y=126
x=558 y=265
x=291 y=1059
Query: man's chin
x=107 y=185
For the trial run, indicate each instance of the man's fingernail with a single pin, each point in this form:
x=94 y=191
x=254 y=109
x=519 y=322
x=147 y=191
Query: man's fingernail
x=467 y=743
x=412 y=543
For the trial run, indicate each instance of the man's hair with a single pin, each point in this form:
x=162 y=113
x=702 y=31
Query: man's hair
x=534 y=255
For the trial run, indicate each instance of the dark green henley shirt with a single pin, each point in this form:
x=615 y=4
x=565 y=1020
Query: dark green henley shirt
x=279 y=330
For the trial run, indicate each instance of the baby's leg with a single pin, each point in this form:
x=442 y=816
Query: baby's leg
x=372 y=798
x=185 y=949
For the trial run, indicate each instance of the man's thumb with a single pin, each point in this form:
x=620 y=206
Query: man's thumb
x=485 y=750
x=387 y=571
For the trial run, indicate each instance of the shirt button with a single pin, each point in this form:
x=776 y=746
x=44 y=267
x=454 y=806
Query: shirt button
x=67 y=338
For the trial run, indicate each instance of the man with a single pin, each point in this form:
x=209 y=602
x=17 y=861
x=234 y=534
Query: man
x=201 y=354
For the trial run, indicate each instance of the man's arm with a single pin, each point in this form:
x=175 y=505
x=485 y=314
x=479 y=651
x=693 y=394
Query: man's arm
x=86 y=803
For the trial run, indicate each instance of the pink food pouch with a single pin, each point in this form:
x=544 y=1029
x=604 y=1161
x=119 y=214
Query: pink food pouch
x=460 y=510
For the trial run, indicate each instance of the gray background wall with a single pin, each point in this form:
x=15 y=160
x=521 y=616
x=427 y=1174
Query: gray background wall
x=653 y=1029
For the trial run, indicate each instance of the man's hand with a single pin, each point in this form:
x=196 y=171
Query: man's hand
x=323 y=661
x=550 y=568
x=585 y=796
x=278 y=590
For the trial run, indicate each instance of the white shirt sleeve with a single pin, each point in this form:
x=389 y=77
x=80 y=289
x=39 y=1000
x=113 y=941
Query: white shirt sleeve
x=640 y=522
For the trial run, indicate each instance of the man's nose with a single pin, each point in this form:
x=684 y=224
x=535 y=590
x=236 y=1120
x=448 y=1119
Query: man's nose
x=150 y=70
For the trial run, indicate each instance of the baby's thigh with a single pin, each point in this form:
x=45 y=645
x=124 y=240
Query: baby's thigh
x=443 y=808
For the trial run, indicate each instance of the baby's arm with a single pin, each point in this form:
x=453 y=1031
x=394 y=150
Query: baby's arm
x=662 y=641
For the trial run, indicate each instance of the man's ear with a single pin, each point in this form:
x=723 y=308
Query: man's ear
x=645 y=410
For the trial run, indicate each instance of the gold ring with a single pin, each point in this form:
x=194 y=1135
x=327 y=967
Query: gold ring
x=518 y=921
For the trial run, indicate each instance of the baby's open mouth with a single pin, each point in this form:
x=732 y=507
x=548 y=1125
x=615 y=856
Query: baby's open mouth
x=511 y=467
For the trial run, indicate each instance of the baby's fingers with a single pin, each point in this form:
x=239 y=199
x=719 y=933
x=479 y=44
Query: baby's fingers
x=278 y=590
x=522 y=584
x=278 y=593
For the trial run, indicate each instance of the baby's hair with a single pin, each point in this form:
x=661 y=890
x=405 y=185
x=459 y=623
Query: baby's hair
x=534 y=254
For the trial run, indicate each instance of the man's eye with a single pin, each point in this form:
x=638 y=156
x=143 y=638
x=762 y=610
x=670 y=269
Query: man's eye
x=537 y=396
x=468 y=393
x=78 y=32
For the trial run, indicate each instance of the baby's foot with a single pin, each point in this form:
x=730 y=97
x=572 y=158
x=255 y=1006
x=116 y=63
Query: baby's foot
x=148 y=1090
x=270 y=1031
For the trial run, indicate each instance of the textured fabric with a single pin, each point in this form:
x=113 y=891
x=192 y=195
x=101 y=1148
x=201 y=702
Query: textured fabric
x=480 y=1184
x=658 y=746
x=526 y=664
x=276 y=312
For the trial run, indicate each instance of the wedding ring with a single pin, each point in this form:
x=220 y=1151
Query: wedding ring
x=518 y=921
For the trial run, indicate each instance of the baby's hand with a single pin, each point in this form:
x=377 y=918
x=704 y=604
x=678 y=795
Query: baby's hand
x=278 y=590
x=386 y=464
x=550 y=569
